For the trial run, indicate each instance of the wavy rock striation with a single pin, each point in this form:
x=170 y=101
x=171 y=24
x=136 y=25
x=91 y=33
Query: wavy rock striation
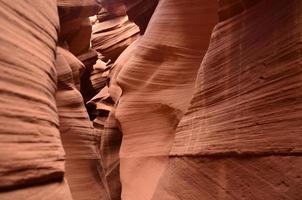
x=242 y=131
x=31 y=152
x=78 y=136
x=112 y=34
x=155 y=78
x=80 y=140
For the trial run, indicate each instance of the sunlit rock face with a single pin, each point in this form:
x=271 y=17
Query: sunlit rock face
x=31 y=152
x=241 y=136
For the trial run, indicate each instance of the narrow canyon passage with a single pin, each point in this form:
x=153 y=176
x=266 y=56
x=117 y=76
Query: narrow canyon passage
x=151 y=100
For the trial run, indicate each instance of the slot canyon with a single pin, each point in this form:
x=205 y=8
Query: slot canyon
x=151 y=100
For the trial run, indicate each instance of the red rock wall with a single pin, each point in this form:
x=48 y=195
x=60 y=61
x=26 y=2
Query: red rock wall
x=228 y=178
x=75 y=9
x=112 y=135
x=31 y=152
x=79 y=138
x=241 y=136
x=156 y=79
x=112 y=34
x=226 y=129
x=247 y=97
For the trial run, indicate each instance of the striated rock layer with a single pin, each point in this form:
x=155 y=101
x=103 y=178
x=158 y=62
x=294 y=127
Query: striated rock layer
x=229 y=178
x=78 y=136
x=31 y=152
x=48 y=191
x=138 y=11
x=112 y=136
x=80 y=139
x=242 y=131
x=227 y=129
x=112 y=34
x=76 y=34
x=247 y=97
x=155 y=78
x=75 y=9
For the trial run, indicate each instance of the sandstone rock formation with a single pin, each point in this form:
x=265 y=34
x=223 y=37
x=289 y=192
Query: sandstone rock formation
x=247 y=97
x=150 y=99
x=76 y=9
x=112 y=34
x=31 y=152
x=93 y=78
x=156 y=89
x=80 y=139
x=241 y=136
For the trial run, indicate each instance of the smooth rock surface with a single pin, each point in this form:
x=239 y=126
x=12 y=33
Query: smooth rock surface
x=156 y=80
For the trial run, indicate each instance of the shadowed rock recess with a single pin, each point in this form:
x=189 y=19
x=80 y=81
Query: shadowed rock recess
x=151 y=100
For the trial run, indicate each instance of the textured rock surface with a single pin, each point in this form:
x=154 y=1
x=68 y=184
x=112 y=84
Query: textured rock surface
x=112 y=136
x=248 y=98
x=138 y=11
x=73 y=9
x=31 y=150
x=227 y=129
x=94 y=79
x=50 y=191
x=79 y=138
x=243 y=128
x=156 y=79
x=76 y=35
x=75 y=24
x=112 y=34
x=229 y=178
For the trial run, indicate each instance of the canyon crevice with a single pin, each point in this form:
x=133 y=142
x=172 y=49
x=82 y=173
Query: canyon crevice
x=151 y=100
